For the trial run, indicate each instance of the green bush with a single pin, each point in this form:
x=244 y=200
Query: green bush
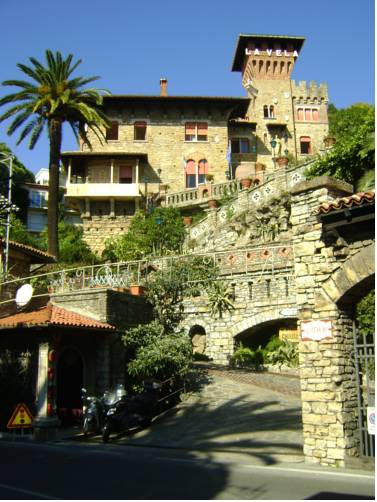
x=244 y=357
x=284 y=353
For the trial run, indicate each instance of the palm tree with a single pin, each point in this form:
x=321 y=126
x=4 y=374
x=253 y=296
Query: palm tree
x=46 y=102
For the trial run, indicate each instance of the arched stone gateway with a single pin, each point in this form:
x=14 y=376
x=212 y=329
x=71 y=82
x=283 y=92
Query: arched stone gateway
x=334 y=268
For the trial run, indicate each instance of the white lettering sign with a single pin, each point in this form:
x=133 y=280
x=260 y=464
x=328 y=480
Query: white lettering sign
x=315 y=330
x=278 y=52
x=371 y=420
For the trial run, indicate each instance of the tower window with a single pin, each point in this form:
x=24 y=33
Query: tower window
x=308 y=114
x=196 y=131
x=269 y=112
x=195 y=173
x=305 y=145
x=140 y=131
x=113 y=131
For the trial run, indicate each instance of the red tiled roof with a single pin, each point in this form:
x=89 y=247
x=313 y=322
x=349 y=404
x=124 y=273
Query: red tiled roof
x=357 y=199
x=52 y=315
x=37 y=255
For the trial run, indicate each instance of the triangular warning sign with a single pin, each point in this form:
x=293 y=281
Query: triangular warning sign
x=21 y=417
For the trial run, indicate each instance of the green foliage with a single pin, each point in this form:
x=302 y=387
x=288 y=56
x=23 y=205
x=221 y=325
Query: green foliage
x=159 y=233
x=167 y=288
x=45 y=101
x=153 y=352
x=365 y=314
x=72 y=247
x=19 y=233
x=220 y=296
x=353 y=155
x=244 y=357
x=20 y=175
x=284 y=353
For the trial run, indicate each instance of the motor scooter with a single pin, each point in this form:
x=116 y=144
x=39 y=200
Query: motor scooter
x=94 y=411
x=129 y=412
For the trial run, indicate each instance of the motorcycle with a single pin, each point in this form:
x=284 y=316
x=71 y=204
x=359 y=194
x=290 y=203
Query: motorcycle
x=94 y=411
x=129 y=412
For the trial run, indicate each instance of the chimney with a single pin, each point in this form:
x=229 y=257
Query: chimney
x=163 y=87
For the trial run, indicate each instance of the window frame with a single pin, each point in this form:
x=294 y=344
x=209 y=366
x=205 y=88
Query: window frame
x=110 y=132
x=240 y=139
x=306 y=140
x=196 y=135
x=304 y=110
x=136 y=125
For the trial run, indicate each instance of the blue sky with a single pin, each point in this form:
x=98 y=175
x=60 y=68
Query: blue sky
x=132 y=44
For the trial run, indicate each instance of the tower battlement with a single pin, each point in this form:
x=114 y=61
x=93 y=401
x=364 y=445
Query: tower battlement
x=309 y=91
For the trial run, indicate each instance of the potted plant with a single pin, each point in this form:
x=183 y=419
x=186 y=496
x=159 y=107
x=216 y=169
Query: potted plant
x=246 y=183
x=259 y=167
x=282 y=160
x=329 y=141
x=210 y=178
x=212 y=203
x=187 y=220
x=137 y=289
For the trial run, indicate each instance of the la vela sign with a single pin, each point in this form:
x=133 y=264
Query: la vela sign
x=315 y=330
x=270 y=52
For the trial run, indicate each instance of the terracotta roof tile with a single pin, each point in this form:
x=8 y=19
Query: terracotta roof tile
x=357 y=199
x=52 y=315
x=37 y=255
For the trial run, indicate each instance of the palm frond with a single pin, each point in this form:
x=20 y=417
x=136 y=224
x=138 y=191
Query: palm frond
x=36 y=133
x=27 y=130
x=18 y=121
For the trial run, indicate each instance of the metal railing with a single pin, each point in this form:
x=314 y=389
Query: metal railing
x=124 y=274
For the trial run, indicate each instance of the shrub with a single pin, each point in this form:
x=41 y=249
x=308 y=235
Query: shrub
x=246 y=357
x=284 y=353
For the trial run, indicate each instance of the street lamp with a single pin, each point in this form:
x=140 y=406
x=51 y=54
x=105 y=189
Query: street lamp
x=273 y=146
x=7 y=206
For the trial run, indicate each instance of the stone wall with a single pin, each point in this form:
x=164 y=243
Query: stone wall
x=326 y=267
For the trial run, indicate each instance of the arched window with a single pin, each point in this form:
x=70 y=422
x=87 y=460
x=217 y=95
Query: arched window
x=265 y=111
x=190 y=174
x=202 y=171
x=272 y=112
x=305 y=145
x=300 y=114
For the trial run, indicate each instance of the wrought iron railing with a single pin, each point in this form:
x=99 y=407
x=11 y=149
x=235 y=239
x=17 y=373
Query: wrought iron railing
x=124 y=274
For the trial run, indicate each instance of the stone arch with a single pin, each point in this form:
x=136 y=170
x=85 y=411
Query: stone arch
x=256 y=319
x=198 y=338
x=354 y=273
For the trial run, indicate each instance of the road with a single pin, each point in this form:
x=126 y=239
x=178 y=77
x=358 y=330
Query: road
x=67 y=470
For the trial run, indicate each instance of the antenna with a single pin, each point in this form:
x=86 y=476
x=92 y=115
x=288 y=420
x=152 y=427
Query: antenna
x=23 y=295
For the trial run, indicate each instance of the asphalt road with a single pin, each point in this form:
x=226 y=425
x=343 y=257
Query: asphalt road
x=68 y=470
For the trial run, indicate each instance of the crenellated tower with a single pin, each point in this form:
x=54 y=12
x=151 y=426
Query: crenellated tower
x=285 y=117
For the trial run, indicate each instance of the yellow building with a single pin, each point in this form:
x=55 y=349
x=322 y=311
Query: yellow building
x=164 y=145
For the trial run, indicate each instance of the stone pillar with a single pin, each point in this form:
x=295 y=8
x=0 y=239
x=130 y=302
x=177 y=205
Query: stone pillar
x=45 y=425
x=69 y=174
x=328 y=383
x=137 y=171
x=112 y=171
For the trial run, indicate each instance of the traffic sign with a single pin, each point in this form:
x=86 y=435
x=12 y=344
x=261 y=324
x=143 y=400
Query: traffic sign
x=21 y=417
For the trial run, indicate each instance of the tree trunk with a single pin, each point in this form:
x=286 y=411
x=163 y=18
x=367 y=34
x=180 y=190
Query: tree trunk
x=55 y=136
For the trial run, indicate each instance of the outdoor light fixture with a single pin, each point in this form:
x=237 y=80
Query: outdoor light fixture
x=227 y=175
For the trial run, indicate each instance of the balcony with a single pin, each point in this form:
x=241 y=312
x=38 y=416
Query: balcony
x=103 y=190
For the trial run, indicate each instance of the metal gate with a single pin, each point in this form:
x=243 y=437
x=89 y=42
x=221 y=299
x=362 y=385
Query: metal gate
x=365 y=374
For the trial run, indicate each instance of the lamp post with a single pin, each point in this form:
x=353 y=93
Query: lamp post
x=6 y=205
x=273 y=146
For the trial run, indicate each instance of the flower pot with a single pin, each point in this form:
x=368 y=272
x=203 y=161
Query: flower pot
x=246 y=183
x=212 y=203
x=187 y=220
x=282 y=161
x=136 y=289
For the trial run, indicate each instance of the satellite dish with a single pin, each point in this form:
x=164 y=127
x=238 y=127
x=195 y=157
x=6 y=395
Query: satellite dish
x=23 y=295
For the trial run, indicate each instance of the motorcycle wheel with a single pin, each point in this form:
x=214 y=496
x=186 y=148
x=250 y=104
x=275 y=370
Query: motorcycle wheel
x=85 y=427
x=106 y=433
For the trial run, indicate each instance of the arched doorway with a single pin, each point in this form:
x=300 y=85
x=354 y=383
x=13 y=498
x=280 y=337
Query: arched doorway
x=69 y=384
x=198 y=339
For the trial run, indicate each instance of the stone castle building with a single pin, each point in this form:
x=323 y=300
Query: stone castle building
x=161 y=145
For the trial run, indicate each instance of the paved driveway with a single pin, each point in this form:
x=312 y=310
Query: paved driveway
x=232 y=413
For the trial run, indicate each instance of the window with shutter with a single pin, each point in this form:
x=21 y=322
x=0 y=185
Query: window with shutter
x=190 y=174
x=300 y=114
x=305 y=145
x=202 y=171
x=315 y=115
x=112 y=132
x=196 y=131
x=125 y=174
x=140 y=131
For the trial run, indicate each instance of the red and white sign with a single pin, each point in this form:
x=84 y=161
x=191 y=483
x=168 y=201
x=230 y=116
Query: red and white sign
x=315 y=330
x=21 y=417
x=371 y=416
